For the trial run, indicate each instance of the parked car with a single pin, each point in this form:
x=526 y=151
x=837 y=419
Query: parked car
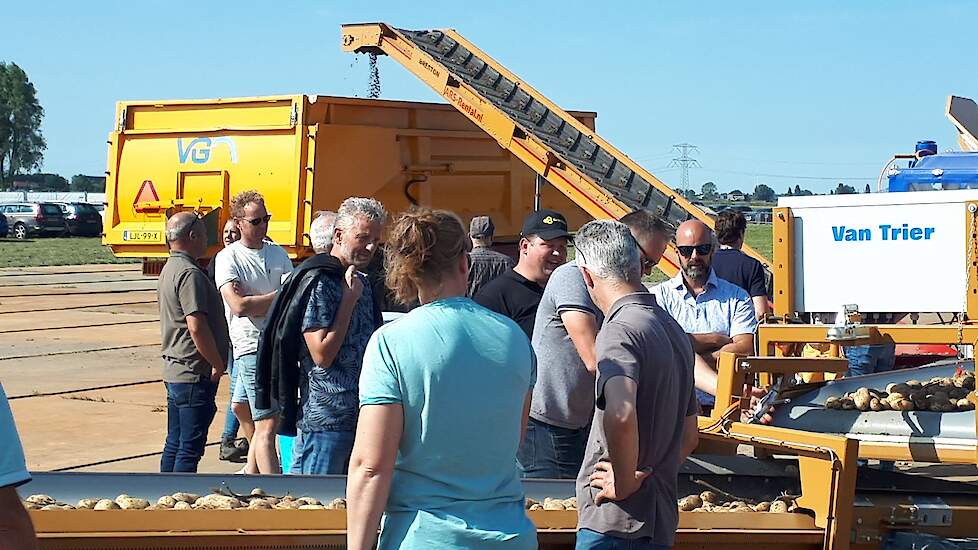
x=82 y=218
x=4 y=227
x=27 y=219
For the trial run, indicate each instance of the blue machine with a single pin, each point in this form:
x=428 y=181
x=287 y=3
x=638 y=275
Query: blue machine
x=935 y=171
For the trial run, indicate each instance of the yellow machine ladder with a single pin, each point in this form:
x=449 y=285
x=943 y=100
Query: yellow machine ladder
x=599 y=178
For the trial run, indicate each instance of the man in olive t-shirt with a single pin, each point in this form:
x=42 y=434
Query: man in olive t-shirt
x=645 y=420
x=194 y=343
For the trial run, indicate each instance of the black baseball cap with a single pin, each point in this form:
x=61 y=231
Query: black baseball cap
x=546 y=224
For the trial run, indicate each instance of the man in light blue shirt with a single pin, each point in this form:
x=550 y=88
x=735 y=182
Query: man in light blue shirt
x=16 y=530
x=717 y=315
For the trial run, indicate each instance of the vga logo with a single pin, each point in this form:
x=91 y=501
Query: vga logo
x=199 y=150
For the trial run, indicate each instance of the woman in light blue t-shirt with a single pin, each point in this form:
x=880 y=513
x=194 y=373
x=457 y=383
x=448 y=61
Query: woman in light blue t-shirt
x=444 y=397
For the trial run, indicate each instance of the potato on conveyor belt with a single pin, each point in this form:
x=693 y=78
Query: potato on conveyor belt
x=940 y=394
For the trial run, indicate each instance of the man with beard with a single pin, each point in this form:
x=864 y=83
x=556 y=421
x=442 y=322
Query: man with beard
x=517 y=292
x=717 y=315
x=338 y=321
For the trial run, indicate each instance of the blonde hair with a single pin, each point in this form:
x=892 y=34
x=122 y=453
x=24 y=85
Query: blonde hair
x=242 y=199
x=423 y=246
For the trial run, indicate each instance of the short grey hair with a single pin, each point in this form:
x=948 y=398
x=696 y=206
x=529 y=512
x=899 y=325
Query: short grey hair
x=608 y=250
x=359 y=207
x=321 y=231
x=179 y=225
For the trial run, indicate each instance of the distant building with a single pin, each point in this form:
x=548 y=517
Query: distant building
x=735 y=196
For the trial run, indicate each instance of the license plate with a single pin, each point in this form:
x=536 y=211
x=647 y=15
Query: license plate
x=142 y=236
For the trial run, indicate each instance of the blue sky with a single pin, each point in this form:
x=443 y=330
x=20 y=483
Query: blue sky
x=770 y=92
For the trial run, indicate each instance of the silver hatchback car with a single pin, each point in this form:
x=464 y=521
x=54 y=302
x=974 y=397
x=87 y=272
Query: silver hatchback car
x=27 y=219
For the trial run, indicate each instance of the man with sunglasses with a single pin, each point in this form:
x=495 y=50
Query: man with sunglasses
x=717 y=314
x=564 y=332
x=249 y=273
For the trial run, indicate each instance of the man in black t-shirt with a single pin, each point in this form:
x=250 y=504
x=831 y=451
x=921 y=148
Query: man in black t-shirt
x=517 y=292
x=734 y=266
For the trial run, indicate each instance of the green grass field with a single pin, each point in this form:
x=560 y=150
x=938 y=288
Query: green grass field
x=56 y=251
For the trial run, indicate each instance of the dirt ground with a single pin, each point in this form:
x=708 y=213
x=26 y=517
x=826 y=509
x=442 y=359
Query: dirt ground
x=79 y=360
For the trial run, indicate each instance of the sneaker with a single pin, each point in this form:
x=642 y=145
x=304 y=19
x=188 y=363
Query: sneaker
x=234 y=450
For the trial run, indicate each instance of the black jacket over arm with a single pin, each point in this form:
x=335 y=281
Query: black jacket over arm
x=278 y=375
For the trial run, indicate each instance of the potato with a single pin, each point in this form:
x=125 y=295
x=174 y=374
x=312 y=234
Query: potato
x=310 y=501
x=131 y=503
x=902 y=405
x=49 y=507
x=287 y=505
x=897 y=395
x=833 y=402
x=885 y=405
x=312 y=507
x=901 y=388
x=779 y=507
x=189 y=498
x=536 y=507
x=914 y=384
x=964 y=405
x=570 y=503
x=709 y=497
x=42 y=500
x=969 y=382
x=692 y=502
x=87 y=504
x=217 y=502
x=847 y=403
x=259 y=504
x=166 y=501
x=861 y=401
x=258 y=492
x=153 y=507
x=106 y=504
x=182 y=505
x=553 y=504
x=340 y=504
x=762 y=506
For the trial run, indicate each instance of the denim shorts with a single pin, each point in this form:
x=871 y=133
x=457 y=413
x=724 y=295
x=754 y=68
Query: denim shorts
x=323 y=453
x=244 y=387
x=592 y=540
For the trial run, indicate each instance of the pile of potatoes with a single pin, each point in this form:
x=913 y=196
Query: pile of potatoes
x=948 y=394
x=257 y=500
x=552 y=504
x=709 y=501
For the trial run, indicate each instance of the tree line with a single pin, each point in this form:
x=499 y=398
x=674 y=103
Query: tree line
x=21 y=143
x=763 y=193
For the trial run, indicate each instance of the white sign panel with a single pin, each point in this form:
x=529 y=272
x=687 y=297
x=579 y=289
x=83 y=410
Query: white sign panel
x=886 y=252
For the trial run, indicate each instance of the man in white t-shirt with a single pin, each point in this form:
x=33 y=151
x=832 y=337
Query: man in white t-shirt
x=249 y=273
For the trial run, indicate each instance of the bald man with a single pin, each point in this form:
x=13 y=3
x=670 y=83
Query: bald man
x=194 y=343
x=717 y=315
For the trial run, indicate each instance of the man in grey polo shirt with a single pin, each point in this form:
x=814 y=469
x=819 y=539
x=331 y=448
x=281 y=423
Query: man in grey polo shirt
x=566 y=325
x=645 y=420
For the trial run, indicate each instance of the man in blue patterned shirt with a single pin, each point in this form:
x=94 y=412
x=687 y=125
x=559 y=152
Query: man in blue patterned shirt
x=337 y=324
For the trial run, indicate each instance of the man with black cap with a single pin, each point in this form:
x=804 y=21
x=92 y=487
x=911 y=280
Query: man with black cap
x=487 y=264
x=517 y=292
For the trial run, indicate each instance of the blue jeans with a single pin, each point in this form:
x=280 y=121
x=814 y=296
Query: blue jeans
x=231 y=423
x=870 y=359
x=322 y=453
x=552 y=452
x=190 y=409
x=592 y=540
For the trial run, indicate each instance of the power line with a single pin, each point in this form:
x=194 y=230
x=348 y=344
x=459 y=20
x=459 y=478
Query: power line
x=684 y=161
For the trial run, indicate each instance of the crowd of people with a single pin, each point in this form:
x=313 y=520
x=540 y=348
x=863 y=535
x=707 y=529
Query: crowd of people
x=569 y=370
x=538 y=368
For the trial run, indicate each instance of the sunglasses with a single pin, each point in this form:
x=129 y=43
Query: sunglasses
x=647 y=262
x=257 y=221
x=701 y=249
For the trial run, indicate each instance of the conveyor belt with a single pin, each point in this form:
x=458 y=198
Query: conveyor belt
x=588 y=169
x=807 y=411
